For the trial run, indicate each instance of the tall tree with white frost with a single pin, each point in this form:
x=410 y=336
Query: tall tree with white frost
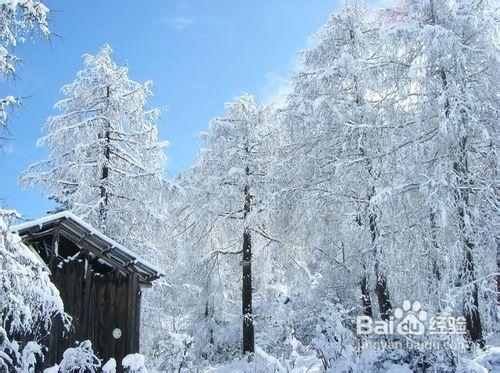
x=451 y=90
x=336 y=135
x=225 y=186
x=19 y=20
x=105 y=161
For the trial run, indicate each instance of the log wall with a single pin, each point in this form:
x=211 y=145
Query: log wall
x=98 y=303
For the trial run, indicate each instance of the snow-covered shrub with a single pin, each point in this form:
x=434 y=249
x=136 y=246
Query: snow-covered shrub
x=80 y=359
x=28 y=301
x=263 y=362
x=110 y=366
x=333 y=341
x=31 y=352
x=134 y=363
x=52 y=369
x=259 y=362
x=426 y=353
x=173 y=352
x=489 y=359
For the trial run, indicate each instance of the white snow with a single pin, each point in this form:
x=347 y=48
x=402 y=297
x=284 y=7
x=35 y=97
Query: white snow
x=93 y=231
x=110 y=366
x=135 y=363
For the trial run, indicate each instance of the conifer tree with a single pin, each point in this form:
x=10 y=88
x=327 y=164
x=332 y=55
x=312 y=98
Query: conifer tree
x=105 y=161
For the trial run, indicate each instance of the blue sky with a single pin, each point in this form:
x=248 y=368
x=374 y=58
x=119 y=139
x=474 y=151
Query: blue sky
x=199 y=54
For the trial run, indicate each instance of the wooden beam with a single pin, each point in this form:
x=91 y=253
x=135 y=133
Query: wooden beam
x=55 y=241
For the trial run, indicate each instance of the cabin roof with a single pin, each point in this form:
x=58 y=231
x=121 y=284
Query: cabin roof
x=94 y=241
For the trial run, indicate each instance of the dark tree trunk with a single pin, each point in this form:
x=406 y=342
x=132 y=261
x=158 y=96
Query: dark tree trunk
x=246 y=294
x=365 y=291
x=382 y=295
x=207 y=317
x=498 y=276
x=381 y=289
x=365 y=294
x=435 y=268
x=472 y=317
x=473 y=320
x=105 y=172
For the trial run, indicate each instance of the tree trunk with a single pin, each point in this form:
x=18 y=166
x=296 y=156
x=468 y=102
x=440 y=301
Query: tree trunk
x=207 y=317
x=472 y=317
x=105 y=172
x=384 y=302
x=381 y=290
x=498 y=276
x=246 y=294
x=365 y=294
x=432 y=257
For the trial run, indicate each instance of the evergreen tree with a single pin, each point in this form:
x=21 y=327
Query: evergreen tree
x=226 y=186
x=336 y=136
x=20 y=20
x=450 y=92
x=105 y=161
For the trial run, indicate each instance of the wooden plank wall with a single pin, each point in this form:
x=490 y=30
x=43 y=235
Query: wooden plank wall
x=98 y=303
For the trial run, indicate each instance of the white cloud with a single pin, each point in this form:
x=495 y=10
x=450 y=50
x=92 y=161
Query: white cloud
x=180 y=22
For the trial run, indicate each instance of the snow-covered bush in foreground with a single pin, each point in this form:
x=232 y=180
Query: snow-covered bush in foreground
x=134 y=363
x=488 y=360
x=334 y=342
x=28 y=301
x=336 y=348
x=80 y=359
x=110 y=366
x=173 y=352
x=367 y=361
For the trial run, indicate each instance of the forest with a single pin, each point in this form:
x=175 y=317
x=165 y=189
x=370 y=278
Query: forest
x=351 y=227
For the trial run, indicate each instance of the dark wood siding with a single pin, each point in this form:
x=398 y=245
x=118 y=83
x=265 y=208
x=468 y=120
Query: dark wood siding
x=98 y=301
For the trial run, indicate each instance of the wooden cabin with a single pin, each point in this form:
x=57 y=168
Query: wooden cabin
x=100 y=283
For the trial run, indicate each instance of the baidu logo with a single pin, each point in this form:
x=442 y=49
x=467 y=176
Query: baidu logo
x=411 y=319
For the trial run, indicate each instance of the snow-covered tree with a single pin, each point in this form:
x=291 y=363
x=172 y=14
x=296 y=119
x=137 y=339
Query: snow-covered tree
x=375 y=178
x=29 y=302
x=105 y=161
x=335 y=137
x=106 y=164
x=20 y=20
x=450 y=92
x=225 y=189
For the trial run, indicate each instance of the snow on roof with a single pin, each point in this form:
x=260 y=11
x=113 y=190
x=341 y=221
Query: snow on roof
x=142 y=266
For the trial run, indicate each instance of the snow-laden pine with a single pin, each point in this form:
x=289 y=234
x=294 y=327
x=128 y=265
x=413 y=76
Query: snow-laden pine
x=20 y=20
x=106 y=165
x=105 y=161
x=448 y=101
x=335 y=134
x=225 y=190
